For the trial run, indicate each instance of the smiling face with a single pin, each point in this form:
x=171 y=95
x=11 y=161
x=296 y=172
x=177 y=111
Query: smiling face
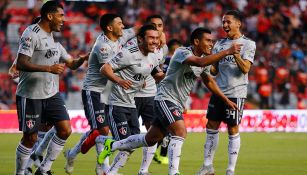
x=150 y=42
x=117 y=27
x=231 y=25
x=205 y=44
x=158 y=23
x=56 y=20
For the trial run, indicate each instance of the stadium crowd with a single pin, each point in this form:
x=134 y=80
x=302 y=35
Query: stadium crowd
x=278 y=77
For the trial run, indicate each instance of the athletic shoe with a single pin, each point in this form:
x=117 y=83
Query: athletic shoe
x=157 y=157
x=36 y=159
x=163 y=160
x=206 y=170
x=69 y=164
x=106 y=151
x=230 y=172
x=39 y=172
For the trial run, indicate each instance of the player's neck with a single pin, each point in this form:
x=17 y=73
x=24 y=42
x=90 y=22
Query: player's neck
x=45 y=26
x=235 y=36
x=196 y=51
x=143 y=50
x=112 y=37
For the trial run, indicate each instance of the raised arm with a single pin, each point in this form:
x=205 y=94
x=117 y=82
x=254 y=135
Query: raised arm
x=75 y=63
x=210 y=59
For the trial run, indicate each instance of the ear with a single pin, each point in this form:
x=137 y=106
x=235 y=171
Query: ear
x=49 y=16
x=196 y=42
x=140 y=39
x=110 y=28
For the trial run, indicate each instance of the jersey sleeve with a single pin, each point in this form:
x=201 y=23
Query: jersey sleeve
x=120 y=61
x=214 y=50
x=63 y=53
x=103 y=52
x=181 y=55
x=249 y=51
x=127 y=35
x=27 y=43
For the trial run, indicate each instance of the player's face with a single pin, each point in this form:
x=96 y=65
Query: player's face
x=151 y=40
x=231 y=25
x=117 y=27
x=57 y=19
x=206 y=43
x=158 y=23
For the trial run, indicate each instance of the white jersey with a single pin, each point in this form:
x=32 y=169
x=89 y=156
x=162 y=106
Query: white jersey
x=131 y=64
x=43 y=50
x=230 y=78
x=150 y=89
x=103 y=51
x=180 y=78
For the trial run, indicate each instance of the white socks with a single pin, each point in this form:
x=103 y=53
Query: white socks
x=22 y=157
x=148 y=154
x=174 y=153
x=210 y=146
x=56 y=145
x=118 y=162
x=130 y=143
x=44 y=143
x=233 y=151
x=77 y=148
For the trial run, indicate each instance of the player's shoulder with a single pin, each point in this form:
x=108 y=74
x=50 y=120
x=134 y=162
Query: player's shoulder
x=131 y=46
x=221 y=41
x=32 y=30
x=184 y=49
x=248 y=40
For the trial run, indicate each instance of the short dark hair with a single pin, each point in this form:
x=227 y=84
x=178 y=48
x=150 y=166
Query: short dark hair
x=198 y=33
x=36 y=20
x=236 y=14
x=106 y=20
x=50 y=7
x=173 y=42
x=142 y=31
x=148 y=19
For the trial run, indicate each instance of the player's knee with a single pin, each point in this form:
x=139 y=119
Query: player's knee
x=64 y=133
x=29 y=140
x=213 y=125
x=232 y=130
x=181 y=132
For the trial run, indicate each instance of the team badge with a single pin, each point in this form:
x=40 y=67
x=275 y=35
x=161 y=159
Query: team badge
x=30 y=124
x=123 y=130
x=176 y=113
x=100 y=119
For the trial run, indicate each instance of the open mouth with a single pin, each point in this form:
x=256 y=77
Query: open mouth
x=227 y=30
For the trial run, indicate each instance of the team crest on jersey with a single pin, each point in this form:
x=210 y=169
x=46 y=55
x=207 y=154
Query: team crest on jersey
x=30 y=124
x=103 y=50
x=123 y=130
x=100 y=118
x=176 y=113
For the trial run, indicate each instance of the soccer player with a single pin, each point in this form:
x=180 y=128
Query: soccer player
x=232 y=78
x=187 y=64
x=144 y=98
x=94 y=92
x=40 y=59
x=133 y=65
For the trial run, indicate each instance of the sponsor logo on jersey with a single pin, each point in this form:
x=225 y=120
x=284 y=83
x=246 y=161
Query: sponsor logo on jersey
x=30 y=124
x=123 y=130
x=100 y=118
x=176 y=113
x=51 y=53
x=137 y=77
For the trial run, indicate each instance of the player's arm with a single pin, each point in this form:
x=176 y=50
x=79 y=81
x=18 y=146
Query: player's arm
x=75 y=63
x=210 y=59
x=212 y=86
x=108 y=71
x=157 y=74
x=244 y=63
x=24 y=64
x=214 y=69
x=13 y=72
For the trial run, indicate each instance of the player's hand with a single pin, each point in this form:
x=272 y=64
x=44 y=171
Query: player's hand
x=86 y=56
x=57 y=68
x=234 y=49
x=232 y=105
x=126 y=84
x=13 y=72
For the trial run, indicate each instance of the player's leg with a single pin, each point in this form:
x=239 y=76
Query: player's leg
x=171 y=115
x=163 y=159
x=118 y=116
x=214 y=116
x=55 y=111
x=233 y=119
x=29 y=117
x=145 y=109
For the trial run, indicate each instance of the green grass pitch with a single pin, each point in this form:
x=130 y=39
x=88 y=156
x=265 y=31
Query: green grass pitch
x=260 y=154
